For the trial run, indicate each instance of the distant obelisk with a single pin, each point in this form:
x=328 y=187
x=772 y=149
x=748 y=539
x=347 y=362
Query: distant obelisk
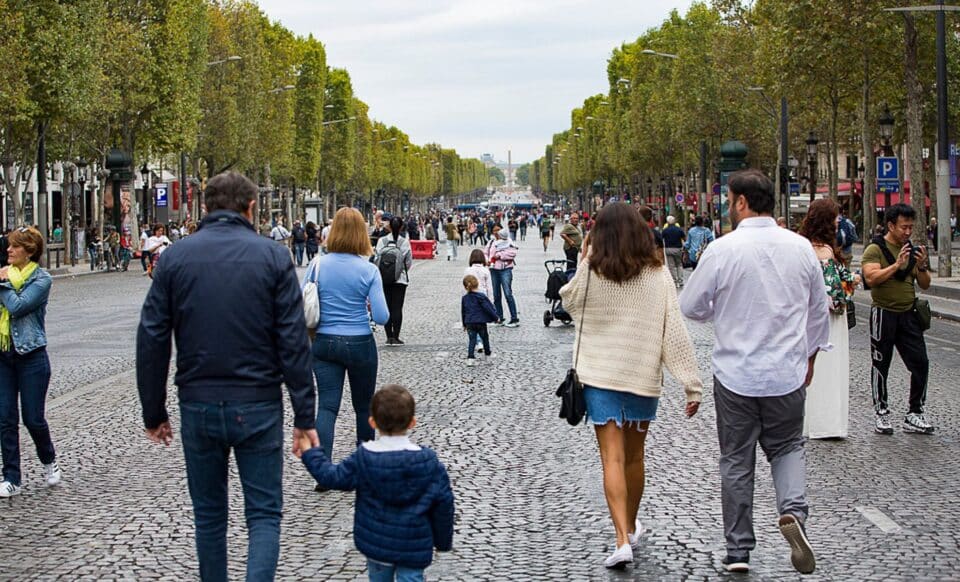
x=509 y=172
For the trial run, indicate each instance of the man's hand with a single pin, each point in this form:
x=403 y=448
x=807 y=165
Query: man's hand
x=922 y=256
x=692 y=408
x=3 y=273
x=162 y=435
x=303 y=440
x=810 y=370
x=904 y=257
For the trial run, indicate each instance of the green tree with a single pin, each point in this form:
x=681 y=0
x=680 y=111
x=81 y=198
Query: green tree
x=308 y=114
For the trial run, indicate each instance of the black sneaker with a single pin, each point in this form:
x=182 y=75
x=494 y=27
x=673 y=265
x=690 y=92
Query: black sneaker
x=512 y=323
x=739 y=564
x=391 y=341
x=397 y=341
x=801 y=554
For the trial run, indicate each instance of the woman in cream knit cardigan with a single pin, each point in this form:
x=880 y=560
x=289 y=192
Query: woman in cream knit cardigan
x=631 y=328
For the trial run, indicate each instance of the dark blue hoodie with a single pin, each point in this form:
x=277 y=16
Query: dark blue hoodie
x=404 y=504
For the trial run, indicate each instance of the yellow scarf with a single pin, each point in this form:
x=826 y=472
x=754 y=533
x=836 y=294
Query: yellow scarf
x=17 y=278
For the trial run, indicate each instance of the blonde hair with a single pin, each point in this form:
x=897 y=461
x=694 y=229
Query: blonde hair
x=470 y=283
x=348 y=234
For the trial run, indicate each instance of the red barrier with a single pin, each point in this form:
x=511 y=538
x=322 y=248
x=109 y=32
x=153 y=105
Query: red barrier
x=423 y=249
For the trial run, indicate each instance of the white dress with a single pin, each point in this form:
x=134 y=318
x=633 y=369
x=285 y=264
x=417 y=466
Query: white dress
x=828 y=395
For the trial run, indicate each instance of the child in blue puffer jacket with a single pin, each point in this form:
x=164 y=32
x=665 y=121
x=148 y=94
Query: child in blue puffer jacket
x=404 y=506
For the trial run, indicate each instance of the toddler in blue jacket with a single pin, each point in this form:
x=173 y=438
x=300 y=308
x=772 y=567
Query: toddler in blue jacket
x=404 y=506
x=476 y=311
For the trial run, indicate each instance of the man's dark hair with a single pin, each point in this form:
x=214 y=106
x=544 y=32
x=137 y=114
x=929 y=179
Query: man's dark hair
x=392 y=408
x=230 y=191
x=756 y=187
x=698 y=221
x=896 y=211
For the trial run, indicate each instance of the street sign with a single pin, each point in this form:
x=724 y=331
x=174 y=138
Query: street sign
x=794 y=188
x=888 y=168
x=679 y=198
x=888 y=186
x=161 y=190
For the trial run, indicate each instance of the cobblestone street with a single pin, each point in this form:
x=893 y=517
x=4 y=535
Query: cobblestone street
x=528 y=488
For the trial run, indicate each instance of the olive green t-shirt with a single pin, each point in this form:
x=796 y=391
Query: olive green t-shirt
x=892 y=295
x=575 y=234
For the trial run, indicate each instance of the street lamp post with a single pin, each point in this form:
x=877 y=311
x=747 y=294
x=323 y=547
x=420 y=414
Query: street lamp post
x=886 y=122
x=146 y=197
x=82 y=203
x=812 y=143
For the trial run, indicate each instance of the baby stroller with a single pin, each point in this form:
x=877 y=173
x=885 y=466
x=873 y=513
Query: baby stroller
x=557 y=276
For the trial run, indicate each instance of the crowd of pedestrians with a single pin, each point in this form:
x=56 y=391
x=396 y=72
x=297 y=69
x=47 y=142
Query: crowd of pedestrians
x=781 y=304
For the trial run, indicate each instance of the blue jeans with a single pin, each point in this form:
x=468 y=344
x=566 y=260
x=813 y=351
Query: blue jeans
x=503 y=281
x=298 y=249
x=254 y=430
x=334 y=357
x=25 y=378
x=474 y=330
x=380 y=572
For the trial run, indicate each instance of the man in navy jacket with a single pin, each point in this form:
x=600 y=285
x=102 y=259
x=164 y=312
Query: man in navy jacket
x=232 y=301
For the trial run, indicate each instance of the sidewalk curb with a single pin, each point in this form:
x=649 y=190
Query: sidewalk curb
x=953 y=317
x=81 y=274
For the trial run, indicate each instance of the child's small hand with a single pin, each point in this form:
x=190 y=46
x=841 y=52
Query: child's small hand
x=305 y=444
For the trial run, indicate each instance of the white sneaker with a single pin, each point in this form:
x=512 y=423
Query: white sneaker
x=619 y=558
x=8 y=489
x=471 y=362
x=52 y=474
x=634 y=538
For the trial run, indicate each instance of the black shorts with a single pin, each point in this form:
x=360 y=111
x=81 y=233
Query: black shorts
x=544 y=234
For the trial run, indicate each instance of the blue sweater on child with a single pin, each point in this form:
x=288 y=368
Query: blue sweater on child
x=475 y=308
x=404 y=504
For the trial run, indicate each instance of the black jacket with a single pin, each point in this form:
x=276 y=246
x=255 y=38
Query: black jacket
x=232 y=301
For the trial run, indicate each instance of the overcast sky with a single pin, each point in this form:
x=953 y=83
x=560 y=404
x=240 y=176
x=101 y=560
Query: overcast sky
x=479 y=76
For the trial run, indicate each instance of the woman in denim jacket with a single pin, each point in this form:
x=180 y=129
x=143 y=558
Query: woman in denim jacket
x=24 y=366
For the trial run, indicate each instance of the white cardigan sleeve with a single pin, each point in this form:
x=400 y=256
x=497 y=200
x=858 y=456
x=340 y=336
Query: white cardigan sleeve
x=677 y=350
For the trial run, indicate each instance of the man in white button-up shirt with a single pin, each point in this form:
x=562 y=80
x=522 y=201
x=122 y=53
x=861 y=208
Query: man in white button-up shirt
x=763 y=288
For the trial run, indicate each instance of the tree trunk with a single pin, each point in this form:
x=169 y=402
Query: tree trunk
x=869 y=160
x=832 y=153
x=914 y=91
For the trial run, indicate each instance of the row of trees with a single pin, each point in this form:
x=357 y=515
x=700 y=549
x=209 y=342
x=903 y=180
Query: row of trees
x=837 y=63
x=215 y=79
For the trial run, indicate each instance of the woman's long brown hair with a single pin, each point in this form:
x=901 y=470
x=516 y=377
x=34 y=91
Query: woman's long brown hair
x=622 y=244
x=820 y=225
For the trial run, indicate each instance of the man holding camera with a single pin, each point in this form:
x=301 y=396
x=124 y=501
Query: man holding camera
x=891 y=265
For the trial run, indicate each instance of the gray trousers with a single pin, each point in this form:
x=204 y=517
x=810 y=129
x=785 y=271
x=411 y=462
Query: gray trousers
x=675 y=265
x=777 y=424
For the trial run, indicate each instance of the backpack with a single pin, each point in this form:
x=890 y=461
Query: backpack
x=555 y=282
x=390 y=262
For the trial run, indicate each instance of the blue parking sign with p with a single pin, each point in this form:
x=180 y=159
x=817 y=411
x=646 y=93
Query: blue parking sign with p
x=888 y=168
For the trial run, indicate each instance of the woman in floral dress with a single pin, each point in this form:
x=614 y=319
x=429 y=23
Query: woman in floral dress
x=829 y=393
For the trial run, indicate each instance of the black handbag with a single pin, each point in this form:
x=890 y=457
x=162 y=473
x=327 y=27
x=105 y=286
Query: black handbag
x=851 y=315
x=922 y=307
x=572 y=404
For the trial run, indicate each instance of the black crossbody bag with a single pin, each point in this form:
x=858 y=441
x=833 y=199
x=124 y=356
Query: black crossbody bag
x=572 y=404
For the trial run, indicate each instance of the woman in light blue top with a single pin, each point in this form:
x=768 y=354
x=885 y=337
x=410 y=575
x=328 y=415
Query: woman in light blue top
x=344 y=346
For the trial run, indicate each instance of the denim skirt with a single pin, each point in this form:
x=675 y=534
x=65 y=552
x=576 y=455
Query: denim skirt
x=605 y=405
